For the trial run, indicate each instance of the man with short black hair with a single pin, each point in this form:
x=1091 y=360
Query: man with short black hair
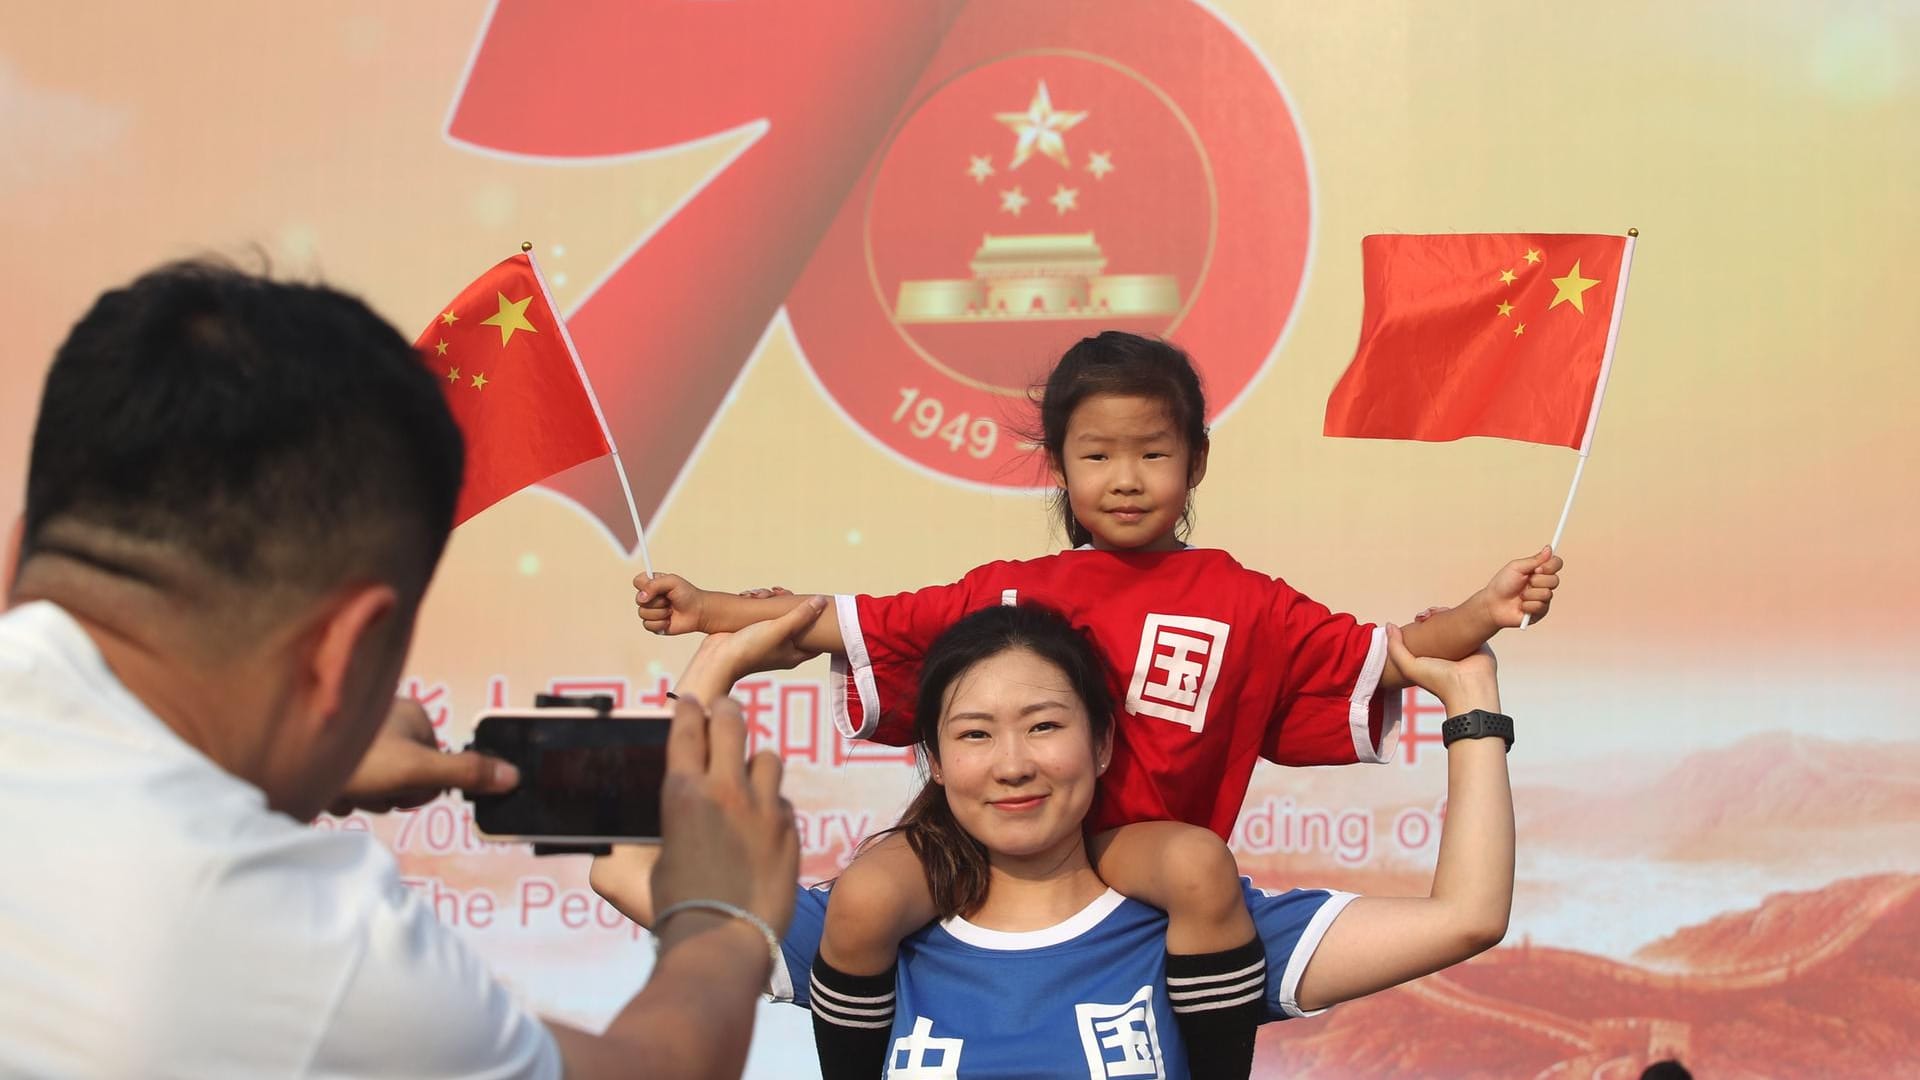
x=237 y=493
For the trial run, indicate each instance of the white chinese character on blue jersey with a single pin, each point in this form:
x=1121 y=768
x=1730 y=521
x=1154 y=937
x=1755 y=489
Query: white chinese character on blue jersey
x=920 y=1056
x=1121 y=1040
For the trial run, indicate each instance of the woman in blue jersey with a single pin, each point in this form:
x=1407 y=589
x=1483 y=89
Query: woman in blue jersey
x=1036 y=967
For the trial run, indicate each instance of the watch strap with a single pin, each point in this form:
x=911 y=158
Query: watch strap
x=1477 y=724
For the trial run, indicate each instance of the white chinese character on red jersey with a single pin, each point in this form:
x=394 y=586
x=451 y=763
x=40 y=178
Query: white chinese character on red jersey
x=1178 y=663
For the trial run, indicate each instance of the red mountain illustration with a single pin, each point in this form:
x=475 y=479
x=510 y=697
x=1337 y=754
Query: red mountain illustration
x=1758 y=797
x=1815 y=984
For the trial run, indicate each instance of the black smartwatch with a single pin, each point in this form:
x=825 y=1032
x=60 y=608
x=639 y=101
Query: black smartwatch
x=1478 y=724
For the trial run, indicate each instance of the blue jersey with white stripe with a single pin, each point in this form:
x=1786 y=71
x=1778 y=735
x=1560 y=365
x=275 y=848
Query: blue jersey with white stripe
x=1086 y=997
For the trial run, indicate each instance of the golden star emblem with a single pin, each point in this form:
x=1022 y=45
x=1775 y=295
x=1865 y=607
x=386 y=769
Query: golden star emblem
x=980 y=168
x=1521 y=329
x=448 y=318
x=1013 y=202
x=1100 y=164
x=1571 y=288
x=453 y=374
x=1064 y=198
x=1506 y=308
x=480 y=381
x=441 y=348
x=1506 y=277
x=1532 y=255
x=1039 y=129
x=511 y=316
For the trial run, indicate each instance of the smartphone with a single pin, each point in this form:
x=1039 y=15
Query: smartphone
x=585 y=777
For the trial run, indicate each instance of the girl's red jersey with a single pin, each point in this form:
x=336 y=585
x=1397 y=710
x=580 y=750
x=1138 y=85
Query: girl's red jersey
x=1213 y=666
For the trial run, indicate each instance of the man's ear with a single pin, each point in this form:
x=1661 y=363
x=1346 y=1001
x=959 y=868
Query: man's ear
x=10 y=562
x=1197 y=471
x=339 y=641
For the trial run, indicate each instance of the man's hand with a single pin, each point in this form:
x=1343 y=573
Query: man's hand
x=726 y=832
x=727 y=835
x=1523 y=588
x=405 y=767
x=1461 y=685
x=668 y=603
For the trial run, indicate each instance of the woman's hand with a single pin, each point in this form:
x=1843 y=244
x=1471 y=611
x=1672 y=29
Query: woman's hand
x=1461 y=685
x=724 y=659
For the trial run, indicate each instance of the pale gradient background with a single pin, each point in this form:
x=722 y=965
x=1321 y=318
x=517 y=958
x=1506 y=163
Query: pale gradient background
x=1741 y=560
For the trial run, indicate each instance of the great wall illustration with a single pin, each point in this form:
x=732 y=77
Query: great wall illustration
x=1573 y=1016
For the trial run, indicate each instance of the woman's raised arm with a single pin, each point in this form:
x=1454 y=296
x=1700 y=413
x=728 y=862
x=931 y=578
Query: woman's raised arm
x=625 y=878
x=1379 y=942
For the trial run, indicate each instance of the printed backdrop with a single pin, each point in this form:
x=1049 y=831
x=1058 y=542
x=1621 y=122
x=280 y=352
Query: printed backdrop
x=813 y=253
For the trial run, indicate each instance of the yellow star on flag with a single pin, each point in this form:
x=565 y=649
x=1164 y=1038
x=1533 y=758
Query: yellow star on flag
x=1100 y=164
x=1506 y=308
x=1064 y=198
x=511 y=316
x=1521 y=329
x=1013 y=201
x=1532 y=255
x=448 y=318
x=441 y=348
x=480 y=381
x=980 y=167
x=1506 y=277
x=453 y=374
x=1571 y=287
x=1039 y=129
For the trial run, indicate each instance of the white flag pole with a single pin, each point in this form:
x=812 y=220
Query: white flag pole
x=640 y=535
x=1568 y=508
x=1599 y=393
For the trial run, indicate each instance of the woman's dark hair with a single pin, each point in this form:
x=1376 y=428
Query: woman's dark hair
x=1127 y=365
x=955 y=862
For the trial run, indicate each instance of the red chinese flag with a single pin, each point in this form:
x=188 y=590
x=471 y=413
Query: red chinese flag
x=514 y=383
x=1500 y=334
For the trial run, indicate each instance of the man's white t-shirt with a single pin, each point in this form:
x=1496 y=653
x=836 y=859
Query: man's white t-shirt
x=156 y=919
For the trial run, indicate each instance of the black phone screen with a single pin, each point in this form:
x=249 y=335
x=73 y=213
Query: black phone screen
x=583 y=778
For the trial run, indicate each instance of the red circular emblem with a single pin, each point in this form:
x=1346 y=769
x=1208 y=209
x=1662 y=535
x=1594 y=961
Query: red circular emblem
x=1153 y=182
